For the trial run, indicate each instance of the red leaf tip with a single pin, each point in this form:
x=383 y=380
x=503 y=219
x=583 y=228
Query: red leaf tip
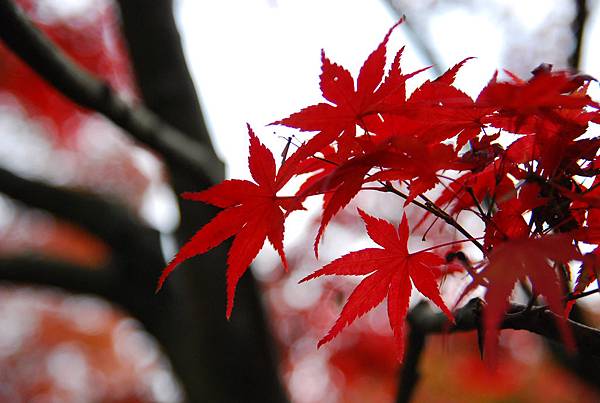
x=324 y=340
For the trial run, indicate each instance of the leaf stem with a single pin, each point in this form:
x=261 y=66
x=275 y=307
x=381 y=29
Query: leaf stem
x=572 y=297
x=472 y=194
x=444 y=244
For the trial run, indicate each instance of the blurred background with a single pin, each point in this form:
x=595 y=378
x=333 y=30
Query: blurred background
x=252 y=61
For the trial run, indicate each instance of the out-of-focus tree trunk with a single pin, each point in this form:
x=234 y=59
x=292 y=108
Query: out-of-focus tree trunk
x=216 y=360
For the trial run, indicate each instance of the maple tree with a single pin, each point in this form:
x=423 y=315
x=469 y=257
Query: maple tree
x=519 y=158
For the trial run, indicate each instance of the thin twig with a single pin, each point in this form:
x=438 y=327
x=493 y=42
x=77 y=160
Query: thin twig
x=572 y=297
x=426 y=50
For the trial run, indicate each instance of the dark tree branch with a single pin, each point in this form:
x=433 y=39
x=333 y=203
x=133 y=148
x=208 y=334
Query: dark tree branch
x=108 y=220
x=116 y=282
x=409 y=372
x=42 y=271
x=578 y=27
x=135 y=248
x=165 y=84
x=539 y=320
x=31 y=45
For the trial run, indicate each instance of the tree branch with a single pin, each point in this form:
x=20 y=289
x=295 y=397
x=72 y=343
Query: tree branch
x=33 y=47
x=409 y=372
x=39 y=270
x=578 y=27
x=165 y=84
x=538 y=320
x=426 y=50
x=111 y=222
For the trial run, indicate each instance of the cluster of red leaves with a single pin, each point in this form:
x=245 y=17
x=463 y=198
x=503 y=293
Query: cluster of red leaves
x=536 y=195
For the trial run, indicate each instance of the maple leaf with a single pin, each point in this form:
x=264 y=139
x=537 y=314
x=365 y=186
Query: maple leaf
x=474 y=187
x=252 y=212
x=508 y=222
x=444 y=111
x=390 y=272
x=350 y=104
x=522 y=259
x=339 y=187
x=527 y=106
x=588 y=272
x=482 y=151
x=398 y=158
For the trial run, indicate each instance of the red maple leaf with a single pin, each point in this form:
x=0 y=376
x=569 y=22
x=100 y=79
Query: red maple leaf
x=397 y=158
x=508 y=222
x=527 y=106
x=522 y=259
x=473 y=187
x=339 y=186
x=389 y=274
x=442 y=111
x=252 y=212
x=588 y=273
x=349 y=104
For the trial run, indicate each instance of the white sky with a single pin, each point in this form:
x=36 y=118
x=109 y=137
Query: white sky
x=257 y=61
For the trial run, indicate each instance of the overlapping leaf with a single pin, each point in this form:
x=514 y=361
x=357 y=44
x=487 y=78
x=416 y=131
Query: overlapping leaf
x=588 y=273
x=524 y=259
x=349 y=103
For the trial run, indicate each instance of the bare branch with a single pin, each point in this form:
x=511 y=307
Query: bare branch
x=31 y=45
x=108 y=220
x=38 y=270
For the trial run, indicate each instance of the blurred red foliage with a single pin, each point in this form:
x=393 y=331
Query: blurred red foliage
x=92 y=40
x=55 y=347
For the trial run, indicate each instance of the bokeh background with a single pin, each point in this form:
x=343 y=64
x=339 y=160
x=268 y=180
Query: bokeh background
x=252 y=61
